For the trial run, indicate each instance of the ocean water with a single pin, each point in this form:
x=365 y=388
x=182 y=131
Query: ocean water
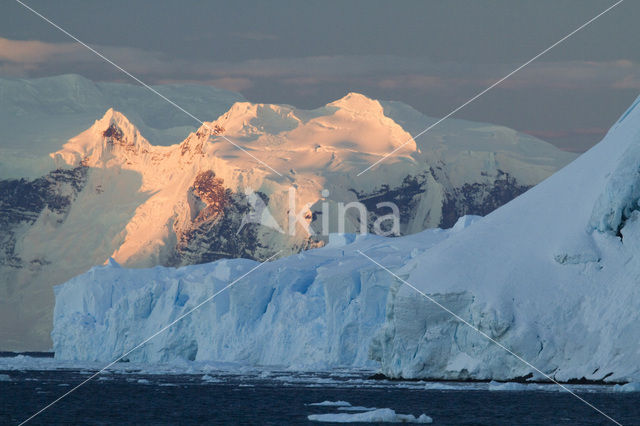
x=134 y=396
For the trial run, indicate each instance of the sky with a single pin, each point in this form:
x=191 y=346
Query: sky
x=433 y=55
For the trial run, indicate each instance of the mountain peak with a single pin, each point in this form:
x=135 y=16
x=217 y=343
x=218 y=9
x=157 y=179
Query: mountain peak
x=115 y=128
x=357 y=102
x=113 y=118
x=251 y=119
x=248 y=119
x=112 y=134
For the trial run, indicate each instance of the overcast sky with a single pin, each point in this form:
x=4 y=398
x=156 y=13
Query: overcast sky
x=433 y=55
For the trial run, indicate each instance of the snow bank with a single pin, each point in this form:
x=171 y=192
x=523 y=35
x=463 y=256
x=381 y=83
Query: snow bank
x=380 y=415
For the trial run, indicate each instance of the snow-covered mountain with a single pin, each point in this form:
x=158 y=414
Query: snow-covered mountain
x=188 y=186
x=116 y=194
x=552 y=275
x=37 y=116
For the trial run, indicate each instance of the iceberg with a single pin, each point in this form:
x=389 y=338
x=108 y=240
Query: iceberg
x=356 y=408
x=318 y=309
x=551 y=275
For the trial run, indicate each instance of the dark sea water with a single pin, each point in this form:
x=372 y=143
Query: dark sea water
x=282 y=398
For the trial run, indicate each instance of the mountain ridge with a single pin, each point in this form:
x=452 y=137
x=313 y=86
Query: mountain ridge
x=39 y=115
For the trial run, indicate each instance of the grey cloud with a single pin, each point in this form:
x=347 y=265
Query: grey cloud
x=29 y=58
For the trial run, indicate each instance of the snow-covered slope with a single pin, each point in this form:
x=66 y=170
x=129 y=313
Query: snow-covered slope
x=553 y=275
x=37 y=116
x=196 y=201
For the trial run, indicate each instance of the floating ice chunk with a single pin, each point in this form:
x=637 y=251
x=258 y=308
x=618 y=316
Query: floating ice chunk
x=357 y=408
x=143 y=382
x=209 y=379
x=381 y=415
x=508 y=386
x=5 y=378
x=629 y=387
x=332 y=404
x=441 y=386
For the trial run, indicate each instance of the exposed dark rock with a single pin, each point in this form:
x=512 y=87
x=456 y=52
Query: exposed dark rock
x=215 y=226
x=113 y=132
x=22 y=201
x=406 y=196
x=188 y=146
x=479 y=198
x=215 y=231
x=209 y=190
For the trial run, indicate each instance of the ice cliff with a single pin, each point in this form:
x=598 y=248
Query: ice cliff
x=318 y=309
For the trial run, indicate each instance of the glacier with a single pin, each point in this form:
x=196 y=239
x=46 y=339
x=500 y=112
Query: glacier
x=552 y=275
